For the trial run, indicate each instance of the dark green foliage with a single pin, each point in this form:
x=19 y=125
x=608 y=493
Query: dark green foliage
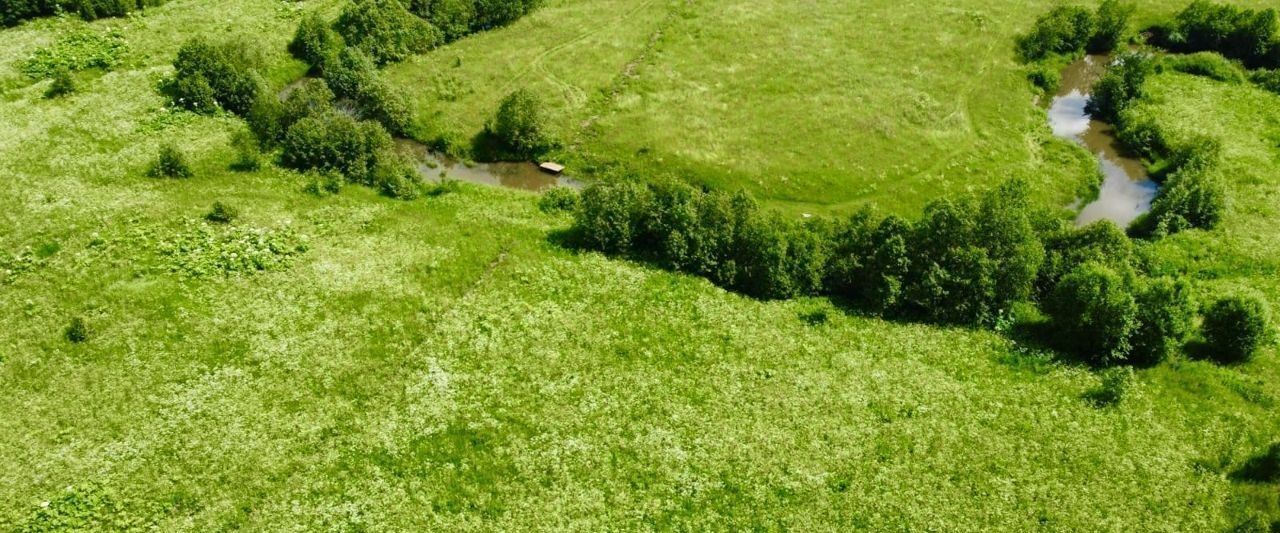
x=1141 y=134
x=1005 y=230
x=1193 y=196
x=248 y=152
x=171 y=163
x=386 y=30
x=15 y=11
x=778 y=258
x=315 y=42
x=77 y=331
x=1045 y=77
x=1166 y=315
x=222 y=213
x=1068 y=248
x=1236 y=327
x=558 y=200
x=1064 y=30
x=1094 y=313
x=1123 y=84
x=63 y=84
x=1244 y=34
x=610 y=215
x=952 y=279
x=1267 y=79
x=75 y=52
x=336 y=142
x=309 y=98
x=1111 y=26
x=497 y=13
x=354 y=75
x=455 y=18
x=215 y=76
x=520 y=125
x=264 y=119
x=1207 y=64
x=396 y=178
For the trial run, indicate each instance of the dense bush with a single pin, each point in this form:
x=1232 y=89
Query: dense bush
x=1193 y=196
x=354 y=75
x=610 y=215
x=1244 y=34
x=335 y=142
x=454 y=18
x=77 y=331
x=1166 y=315
x=558 y=200
x=222 y=213
x=1094 y=313
x=1111 y=26
x=521 y=125
x=171 y=163
x=1045 y=77
x=1267 y=79
x=1064 y=30
x=1236 y=327
x=386 y=30
x=315 y=42
x=264 y=119
x=309 y=98
x=15 y=11
x=1124 y=83
x=396 y=178
x=1067 y=248
x=1207 y=64
x=496 y=13
x=215 y=76
x=1141 y=134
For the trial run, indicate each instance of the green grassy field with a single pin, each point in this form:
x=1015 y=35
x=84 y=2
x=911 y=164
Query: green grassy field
x=442 y=364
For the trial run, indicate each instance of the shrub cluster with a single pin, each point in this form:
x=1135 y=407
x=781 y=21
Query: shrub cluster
x=1207 y=64
x=1071 y=30
x=1252 y=36
x=354 y=76
x=386 y=30
x=458 y=18
x=967 y=260
x=212 y=76
x=1192 y=196
x=1123 y=84
x=15 y=11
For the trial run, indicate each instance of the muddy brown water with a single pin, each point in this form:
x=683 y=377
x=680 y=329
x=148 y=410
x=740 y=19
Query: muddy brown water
x=436 y=167
x=1127 y=190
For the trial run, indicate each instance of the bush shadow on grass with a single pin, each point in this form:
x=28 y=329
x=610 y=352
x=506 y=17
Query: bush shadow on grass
x=1261 y=468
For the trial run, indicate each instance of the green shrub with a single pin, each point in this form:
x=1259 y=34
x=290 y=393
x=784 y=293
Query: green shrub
x=1166 y=315
x=1006 y=231
x=953 y=279
x=1244 y=34
x=778 y=258
x=520 y=125
x=171 y=163
x=497 y=13
x=455 y=18
x=397 y=178
x=63 y=84
x=74 y=52
x=1111 y=26
x=1124 y=83
x=323 y=183
x=1141 y=134
x=264 y=119
x=1267 y=79
x=1236 y=327
x=15 y=11
x=386 y=30
x=355 y=76
x=310 y=98
x=1209 y=65
x=200 y=249
x=222 y=213
x=1064 y=30
x=558 y=200
x=1067 y=249
x=211 y=77
x=609 y=216
x=1047 y=78
x=335 y=142
x=315 y=42
x=77 y=331
x=1094 y=313
x=1191 y=198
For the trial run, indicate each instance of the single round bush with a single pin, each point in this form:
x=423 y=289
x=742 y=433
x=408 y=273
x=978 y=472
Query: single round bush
x=171 y=163
x=1166 y=315
x=211 y=76
x=315 y=42
x=1094 y=313
x=1237 y=327
x=521 y=125
x=63 y=84
x=222 y=213
x=77 y=331
x=558 y=200
x=1111 y=26
x=386 y=30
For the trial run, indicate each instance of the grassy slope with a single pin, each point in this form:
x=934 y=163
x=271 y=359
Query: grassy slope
x=438 y=363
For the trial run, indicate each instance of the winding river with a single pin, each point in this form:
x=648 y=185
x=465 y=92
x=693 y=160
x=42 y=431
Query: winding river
x=1127 y=190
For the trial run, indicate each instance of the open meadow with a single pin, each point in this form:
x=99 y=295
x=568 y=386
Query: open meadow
x=353 y=362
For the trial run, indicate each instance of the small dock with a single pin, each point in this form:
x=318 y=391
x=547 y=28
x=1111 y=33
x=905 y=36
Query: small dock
x=551 y=168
